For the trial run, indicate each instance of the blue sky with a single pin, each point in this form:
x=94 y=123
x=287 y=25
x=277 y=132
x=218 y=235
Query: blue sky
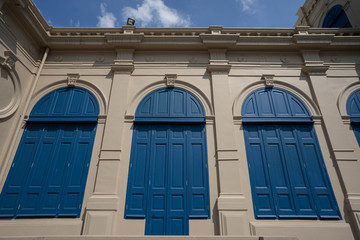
x=170 y=13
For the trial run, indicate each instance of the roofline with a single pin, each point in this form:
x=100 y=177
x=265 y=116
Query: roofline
x=182 y=38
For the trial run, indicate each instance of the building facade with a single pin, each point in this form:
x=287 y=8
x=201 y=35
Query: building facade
x=181 y=131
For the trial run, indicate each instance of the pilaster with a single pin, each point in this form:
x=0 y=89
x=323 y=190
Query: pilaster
x=231 y=202
x=342 y=145
x=103 y=204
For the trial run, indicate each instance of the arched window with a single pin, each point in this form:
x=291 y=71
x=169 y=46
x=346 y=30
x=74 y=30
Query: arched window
x=48 y=175
x=168 y=172
x=287 y=172
x=353 y=109
x=336 y=18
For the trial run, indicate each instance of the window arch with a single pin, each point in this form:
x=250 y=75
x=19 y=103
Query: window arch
x=168 y=172
x=49 y=171
x=336 y=18
x=287 y=172
x=353 y=110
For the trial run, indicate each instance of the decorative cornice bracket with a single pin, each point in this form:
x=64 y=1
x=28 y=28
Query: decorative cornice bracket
x=268 y=80
x=72 y=78
x=9 y=60
x=170 y=79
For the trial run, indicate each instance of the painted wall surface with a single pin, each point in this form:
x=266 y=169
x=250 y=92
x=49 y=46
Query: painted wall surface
x=220 y=67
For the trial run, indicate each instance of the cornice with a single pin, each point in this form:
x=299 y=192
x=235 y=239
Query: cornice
x=313 y=39
x=182 y=38
x=123 y=40
x=214 y=40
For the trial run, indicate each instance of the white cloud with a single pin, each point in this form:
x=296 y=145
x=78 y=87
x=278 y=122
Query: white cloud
x=107 y=19
x=155 y=11
x=248 y=5
x=74 y=24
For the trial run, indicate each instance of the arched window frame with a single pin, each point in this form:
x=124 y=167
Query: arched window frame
x=261 y=118
x=70 y=113
x=336 y=18
x=353 y=110
x=160 y=109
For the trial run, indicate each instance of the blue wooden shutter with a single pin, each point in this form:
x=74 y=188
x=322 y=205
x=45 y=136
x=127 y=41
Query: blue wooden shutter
x=76 y=169
x=177 y=204
x=57 y=171
x=66 y=104
x=138 y=174
x=258 y=169
x=301 y=191
x=44 y=179
x=316 y=171
x=11 y=195
x=198 y=173
x=278 y=174
x=157 y=193
x=300 y=187
x=170 y=105
x=33 y=194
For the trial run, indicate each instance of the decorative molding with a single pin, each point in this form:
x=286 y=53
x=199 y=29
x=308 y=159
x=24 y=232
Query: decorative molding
x=318 y=120
x=124 y=54
x=227 y=155
x=346 y=5
x=302 y=30
x=112 y=155
x=313 y=69
x=100 y=59
x=314 y=39
x=311 y=56
x=150 y=59
x=284 y=60
x=123 y=67
x=219 y=68
x=9 y=60
x=58 y=58
x=23 y=124
x=193 y=60
x=102 y=119
x=170 y=79
x=11 y=85
x=217 y=54
x=128 y=29
x=268 y=80
x=335 y=59
x=215 y=29
x=72 y=78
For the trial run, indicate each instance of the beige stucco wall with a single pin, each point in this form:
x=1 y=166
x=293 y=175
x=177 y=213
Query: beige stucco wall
x=220 y=67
